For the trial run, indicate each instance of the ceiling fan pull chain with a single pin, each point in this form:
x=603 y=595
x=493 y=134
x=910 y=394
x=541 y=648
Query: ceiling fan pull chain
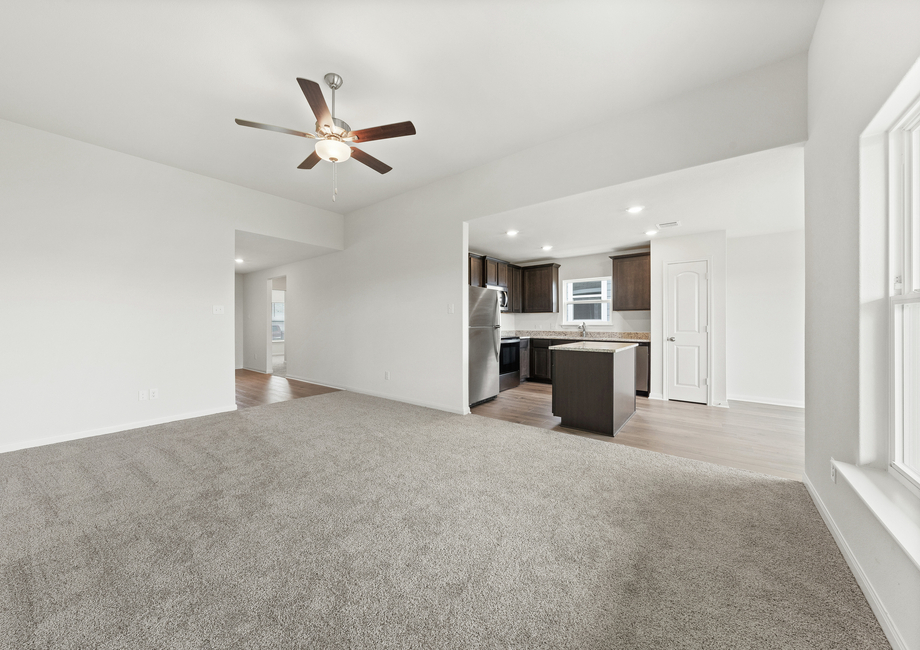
x=335 y=189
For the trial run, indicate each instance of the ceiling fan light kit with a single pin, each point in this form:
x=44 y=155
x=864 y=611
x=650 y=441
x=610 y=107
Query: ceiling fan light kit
x=333 y=150
x=333 y=136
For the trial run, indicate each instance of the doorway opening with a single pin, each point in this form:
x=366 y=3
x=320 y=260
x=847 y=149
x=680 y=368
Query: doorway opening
x=277 y=333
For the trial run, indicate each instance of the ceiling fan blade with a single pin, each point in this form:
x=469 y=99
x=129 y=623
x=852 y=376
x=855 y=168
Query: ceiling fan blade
x=310 y=162
x=383 y=132
x=314 y=95
x=369 y=160
x=277 y=129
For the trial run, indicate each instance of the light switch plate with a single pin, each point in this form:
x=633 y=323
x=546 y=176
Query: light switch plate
x=154 y=393
x=142 y=395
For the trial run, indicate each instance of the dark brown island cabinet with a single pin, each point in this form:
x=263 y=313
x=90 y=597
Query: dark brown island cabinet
x=632 y=282
x=594 y=385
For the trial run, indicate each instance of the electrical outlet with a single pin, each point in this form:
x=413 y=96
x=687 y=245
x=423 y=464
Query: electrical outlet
x=386 y=374
x=142 y=395
x=833 y=471
x=218 y=309
x=154 y=393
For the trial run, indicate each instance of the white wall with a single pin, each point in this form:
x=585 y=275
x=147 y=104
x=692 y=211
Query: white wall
x=860 y=51
x=707 y=246
x=128 y=258
x=765 y=319
x=573 y=268
x=239 y=297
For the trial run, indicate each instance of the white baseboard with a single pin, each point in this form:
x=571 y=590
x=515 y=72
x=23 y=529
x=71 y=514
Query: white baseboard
x=394 y=398
x=261 y=372
x=430 y=405
x=658 y=396
x=768 y=400
x=313 y=381
x=878 y=608
x=50 y=440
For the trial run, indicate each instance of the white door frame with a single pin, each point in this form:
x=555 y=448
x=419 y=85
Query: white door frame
x=666 y=354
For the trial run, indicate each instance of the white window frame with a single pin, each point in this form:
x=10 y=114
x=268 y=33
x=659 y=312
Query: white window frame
x=566 y=302
x=904 y=265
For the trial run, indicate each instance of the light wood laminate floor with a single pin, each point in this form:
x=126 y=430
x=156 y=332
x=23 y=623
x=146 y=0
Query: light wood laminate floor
x=256 y=389
x=756 y=437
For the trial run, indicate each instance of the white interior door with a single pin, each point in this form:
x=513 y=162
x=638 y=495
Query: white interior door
x=687 y=332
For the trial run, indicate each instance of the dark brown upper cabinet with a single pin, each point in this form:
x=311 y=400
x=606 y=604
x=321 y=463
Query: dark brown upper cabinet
x=516 y=290
x=632 y=282
x=491 y=268
x=476 y=271
x=503 y=280
x=541 y=288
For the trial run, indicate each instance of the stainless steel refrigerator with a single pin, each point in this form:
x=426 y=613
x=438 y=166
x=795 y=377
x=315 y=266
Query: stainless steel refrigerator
x=485 y=343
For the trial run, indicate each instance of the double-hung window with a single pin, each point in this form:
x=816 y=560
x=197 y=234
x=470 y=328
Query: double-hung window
x=587 y=301
x=904 y=309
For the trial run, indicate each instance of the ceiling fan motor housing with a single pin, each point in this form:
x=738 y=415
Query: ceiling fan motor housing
x=333 y=80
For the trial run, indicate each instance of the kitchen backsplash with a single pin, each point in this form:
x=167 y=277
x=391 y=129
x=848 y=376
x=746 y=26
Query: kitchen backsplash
x=576 y=336
x=632 y=321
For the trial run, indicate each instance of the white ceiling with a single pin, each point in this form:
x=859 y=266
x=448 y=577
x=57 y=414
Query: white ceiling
x=750 y=195
x=263 y=252
x=164 y=80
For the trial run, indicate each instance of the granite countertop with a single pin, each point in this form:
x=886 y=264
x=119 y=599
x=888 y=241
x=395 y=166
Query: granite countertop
x=594 y=346
x=616 y=337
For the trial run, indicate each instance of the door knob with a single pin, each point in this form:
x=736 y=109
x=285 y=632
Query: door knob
x=671 y=338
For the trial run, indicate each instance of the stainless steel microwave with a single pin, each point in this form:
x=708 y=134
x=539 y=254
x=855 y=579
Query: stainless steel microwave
x=503 y=301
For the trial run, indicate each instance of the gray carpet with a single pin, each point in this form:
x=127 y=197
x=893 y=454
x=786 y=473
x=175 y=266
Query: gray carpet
x=346 y=521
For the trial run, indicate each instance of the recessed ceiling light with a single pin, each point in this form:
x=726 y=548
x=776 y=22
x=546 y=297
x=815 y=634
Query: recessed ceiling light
x=511 y=233
x=546 y=248
x=651 y=232
x=636 y=209
x=238 y=261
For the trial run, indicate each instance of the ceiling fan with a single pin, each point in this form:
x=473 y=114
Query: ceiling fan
x=333 y=136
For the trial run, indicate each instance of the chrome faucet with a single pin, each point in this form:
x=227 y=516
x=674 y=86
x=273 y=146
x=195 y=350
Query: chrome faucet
x=584 y=329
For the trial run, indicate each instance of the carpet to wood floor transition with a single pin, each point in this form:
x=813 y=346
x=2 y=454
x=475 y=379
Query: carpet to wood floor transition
x=347 y=521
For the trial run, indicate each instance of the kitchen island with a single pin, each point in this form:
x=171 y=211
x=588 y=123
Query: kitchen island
x=594 y=385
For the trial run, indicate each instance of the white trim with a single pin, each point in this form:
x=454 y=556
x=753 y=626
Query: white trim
x=261 y=372
x=313 y=381
x=884 y=618
x=896 y=507
x=50 y=440
x=772 y=401
x=392 y=398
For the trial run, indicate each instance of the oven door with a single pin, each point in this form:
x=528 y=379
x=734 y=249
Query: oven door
x=509 y=364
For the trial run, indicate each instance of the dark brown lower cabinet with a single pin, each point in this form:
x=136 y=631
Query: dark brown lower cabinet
x=539 y=360
x=525 y=359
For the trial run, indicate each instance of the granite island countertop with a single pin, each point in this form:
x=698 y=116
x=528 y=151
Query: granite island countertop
x=594 y=346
